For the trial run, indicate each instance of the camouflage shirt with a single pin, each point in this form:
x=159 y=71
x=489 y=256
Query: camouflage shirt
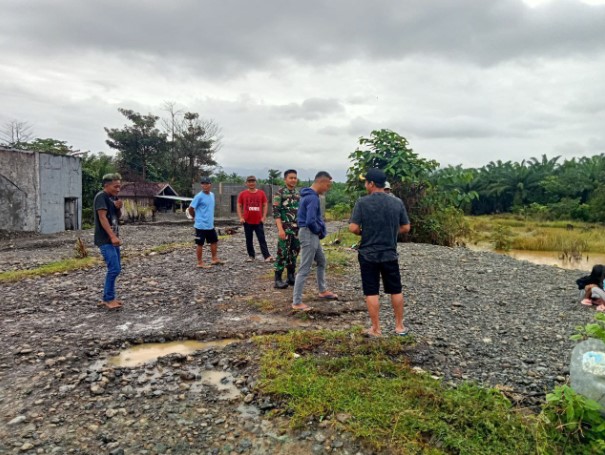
x=285 y=206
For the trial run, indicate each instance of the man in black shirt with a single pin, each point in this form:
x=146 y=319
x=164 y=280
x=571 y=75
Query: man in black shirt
x=379 y=218
x=107 y=211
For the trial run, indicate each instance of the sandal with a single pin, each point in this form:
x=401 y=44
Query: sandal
x=217 y=262
x=405 y=333
x=203 y=266
x=369 y=333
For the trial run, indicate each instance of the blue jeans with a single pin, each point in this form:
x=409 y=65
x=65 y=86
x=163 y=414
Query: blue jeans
x=111 y=254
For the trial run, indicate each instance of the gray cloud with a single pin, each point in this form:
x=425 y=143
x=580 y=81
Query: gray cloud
x=310 y=109
x=229 y=36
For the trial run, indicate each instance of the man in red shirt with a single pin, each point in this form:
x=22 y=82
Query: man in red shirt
x=252 y=208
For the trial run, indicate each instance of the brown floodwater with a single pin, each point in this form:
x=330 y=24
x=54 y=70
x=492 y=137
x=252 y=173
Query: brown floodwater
x=587 y=261
x=142 y=353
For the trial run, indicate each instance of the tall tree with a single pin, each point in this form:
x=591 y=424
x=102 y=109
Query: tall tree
x=194 y=148
x=141 y=145
x=94 y=167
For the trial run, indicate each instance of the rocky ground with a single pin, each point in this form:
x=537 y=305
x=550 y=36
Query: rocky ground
x=476 y=316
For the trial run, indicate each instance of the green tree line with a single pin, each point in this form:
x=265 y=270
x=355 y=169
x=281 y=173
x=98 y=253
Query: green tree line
x=544 y=188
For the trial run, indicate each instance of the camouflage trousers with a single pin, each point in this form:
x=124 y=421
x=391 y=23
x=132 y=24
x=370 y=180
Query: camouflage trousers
x=287 y=251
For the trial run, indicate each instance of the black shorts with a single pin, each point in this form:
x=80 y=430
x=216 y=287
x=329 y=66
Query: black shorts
x=205 y=235
x=370 y=277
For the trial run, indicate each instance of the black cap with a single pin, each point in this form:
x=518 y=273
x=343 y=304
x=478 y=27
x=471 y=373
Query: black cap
x=377 y=176
x=205 y=180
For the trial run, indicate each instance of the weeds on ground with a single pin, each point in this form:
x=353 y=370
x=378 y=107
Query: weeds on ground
x=575 y=422
x=502 y=237
x=167 y=247
x=80 y=249
x=338 y=259
x=592 y=330
x=263 y=305
x=66 y=265
x=391 y=407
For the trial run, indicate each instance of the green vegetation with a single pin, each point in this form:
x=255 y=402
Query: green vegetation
x=592 y=330
x=263 y=305
x=508 y=231
x=321 y=374
x=434 y=209
x=66 y=265
x=168 y=247
x=540 y=189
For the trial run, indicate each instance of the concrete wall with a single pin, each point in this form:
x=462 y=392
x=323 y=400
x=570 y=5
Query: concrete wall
x=60 y=179
x=36 y=188
x=18 y=191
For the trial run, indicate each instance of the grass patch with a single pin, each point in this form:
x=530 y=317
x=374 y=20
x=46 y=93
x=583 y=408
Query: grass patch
x=391 y=407
x=263 y=305
x=338 y=259
x=540 y=235
x=168 y=247
x=66 y=265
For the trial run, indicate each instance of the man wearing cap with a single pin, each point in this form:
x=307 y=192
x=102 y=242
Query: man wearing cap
x=202 y=210
x=379 y=219
x=387 y=189
x=252 y=206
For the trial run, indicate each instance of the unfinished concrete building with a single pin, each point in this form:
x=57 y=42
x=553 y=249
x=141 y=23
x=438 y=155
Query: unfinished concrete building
x=39 y=192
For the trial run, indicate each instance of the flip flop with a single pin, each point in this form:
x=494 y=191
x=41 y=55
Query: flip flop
x=217 y=262
x=405 y=333
x=328 y=296
x=203 y=266
x=369 y=334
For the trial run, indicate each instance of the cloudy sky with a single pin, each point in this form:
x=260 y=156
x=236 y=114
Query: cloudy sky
x=296 y=83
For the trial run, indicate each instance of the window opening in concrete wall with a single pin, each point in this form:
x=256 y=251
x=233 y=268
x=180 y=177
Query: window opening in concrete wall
x=233 y=203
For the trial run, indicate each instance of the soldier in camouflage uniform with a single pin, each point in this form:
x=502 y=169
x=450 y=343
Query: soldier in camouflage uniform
x=285 y=208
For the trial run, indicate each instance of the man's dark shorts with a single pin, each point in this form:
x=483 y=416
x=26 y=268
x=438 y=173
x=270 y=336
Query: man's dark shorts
x=205 y=235
x=370 y=277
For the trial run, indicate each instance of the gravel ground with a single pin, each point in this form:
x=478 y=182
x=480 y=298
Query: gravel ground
x=476 y=316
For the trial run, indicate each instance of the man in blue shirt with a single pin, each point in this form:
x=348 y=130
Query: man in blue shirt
x=202 y=210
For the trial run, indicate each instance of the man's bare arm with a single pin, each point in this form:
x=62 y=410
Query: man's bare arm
x=355 y=228
x=404 y=228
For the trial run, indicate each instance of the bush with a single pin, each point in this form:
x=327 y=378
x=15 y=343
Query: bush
x=87 y=217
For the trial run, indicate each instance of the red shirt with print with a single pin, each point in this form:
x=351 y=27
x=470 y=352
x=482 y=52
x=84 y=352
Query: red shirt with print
x=252 y=205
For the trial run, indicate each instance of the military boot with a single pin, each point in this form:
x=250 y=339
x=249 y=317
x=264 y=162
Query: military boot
x=279 y=284
x=291 y=275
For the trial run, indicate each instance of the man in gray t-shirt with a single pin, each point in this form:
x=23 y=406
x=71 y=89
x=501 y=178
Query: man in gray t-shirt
x=379 y=218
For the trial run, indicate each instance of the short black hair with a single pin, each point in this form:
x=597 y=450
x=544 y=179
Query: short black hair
x=322 y=175
x=108 y=178
x=290 y=171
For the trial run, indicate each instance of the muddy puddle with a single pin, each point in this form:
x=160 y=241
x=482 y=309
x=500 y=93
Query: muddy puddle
x=222 y=382
x=143 y=353
x=585 y=262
